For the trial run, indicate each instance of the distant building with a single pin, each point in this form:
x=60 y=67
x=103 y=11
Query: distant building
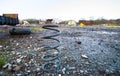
x=71 y=23
x=86 y=22
x=48 y=21
x=41 y=22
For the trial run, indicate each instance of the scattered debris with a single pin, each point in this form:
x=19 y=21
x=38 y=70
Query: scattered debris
x=101 y=72
x=17 y=68
x=1 y=46
x=81 y=71
x=84 y=56
x=78 y=42
x=71 y=68
x=63 y=70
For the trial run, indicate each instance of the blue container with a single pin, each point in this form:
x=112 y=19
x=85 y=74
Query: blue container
x=2 y=20
x=14 y=21
x=7 y=20
x=10 y=21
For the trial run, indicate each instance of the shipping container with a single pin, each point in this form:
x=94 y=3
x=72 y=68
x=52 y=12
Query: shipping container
x=11 y=19
x=7 y=20
x=2 y=20
x=11 y=15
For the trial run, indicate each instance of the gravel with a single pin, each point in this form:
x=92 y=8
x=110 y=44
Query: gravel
x=84 y=52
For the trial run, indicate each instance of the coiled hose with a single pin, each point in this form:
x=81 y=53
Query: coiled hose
x=52 y=56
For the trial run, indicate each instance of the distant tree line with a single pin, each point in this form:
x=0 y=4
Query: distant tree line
x=32 y=21
x=85 y=22
x=36 y=21
x=100 y=21
x=96 y=22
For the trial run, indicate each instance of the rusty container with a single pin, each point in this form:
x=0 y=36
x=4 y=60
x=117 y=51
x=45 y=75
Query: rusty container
x=11 y=19
x=11 y=15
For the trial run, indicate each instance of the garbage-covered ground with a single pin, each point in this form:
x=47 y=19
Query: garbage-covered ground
x=85 y=51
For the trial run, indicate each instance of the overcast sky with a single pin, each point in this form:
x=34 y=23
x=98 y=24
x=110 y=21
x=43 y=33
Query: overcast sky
x=62 y=9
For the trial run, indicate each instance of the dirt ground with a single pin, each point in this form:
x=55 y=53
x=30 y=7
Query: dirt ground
x=85 y=51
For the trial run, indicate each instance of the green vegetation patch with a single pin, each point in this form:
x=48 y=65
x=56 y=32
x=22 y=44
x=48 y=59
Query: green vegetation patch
x=36 y=29
x=114 y=26
x=3 y=58
x=4 y=51
x=3 y=31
